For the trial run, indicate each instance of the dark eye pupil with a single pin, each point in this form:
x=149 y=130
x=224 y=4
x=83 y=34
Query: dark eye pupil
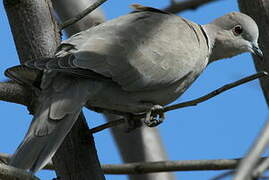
x=238 y=30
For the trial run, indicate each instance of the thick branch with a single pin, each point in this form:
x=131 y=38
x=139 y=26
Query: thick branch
x=180 y=6
x=11 y=173
x=261 y=168
x=259 y=11
x=32 y=31
x=15 y=93
x=248 y=164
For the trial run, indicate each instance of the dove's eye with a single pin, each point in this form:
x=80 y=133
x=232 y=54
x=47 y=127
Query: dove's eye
x=237 y=30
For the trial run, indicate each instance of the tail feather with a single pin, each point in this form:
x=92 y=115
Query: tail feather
x=36 y=151
x=59 y=107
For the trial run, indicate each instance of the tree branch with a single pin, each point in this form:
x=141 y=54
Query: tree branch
x=217 y=92
x=261 y=168
x=163 y=166
x=70 y=8
x=11 y=173
x=107 y=125
x=29 y=24
x=168 y=166
x=177 y=7
x=82 y=14
x=259 y=11
x=223 y=175
x=15 y=93
x=248 y=164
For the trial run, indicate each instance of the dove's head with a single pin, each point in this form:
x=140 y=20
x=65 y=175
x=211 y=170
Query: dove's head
x=232 y=34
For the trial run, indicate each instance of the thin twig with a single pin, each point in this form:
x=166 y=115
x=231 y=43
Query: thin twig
x=173 y=8
x=223 y=175
x=247 y=166
x=183 y=104
x=82 y=14
x=107 y=125
x=216 y=92
x=186 y=5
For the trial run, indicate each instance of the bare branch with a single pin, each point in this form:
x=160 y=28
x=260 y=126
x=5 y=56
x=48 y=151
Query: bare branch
x=262 y=167
x=107 y=125
x=177 y=7
x=11 y=173
x=258 y=10
x=4 y=158
x=15 y=93
x=223 y=175
x=163 y=166
x=82 y=14
x=217 y=92
x=247 y=165
x=168 y=166
x=67 y=9
x=28 y=26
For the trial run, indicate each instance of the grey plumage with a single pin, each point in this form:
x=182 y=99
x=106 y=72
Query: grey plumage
x=128 y=64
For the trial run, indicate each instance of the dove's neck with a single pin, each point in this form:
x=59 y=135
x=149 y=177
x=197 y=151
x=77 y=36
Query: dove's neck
x=217 y=44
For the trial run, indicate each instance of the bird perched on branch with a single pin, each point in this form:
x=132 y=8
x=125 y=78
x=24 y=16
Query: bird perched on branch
x=136 y=64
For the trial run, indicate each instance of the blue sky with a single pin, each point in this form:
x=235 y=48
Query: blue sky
x=223 y=127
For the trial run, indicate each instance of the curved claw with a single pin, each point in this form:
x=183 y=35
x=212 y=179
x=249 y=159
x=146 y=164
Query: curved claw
x=155 y=116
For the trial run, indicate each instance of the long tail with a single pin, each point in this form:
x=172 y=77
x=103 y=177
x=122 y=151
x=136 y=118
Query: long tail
x=58 y=108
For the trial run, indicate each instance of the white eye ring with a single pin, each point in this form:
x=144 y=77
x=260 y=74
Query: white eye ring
x=237 y=30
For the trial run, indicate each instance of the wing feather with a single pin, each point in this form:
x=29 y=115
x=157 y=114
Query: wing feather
x=140 y=51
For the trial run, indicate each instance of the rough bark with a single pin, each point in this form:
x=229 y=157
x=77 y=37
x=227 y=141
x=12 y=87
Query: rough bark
x=16 y=93
x=36 y=35
x=12 y=173
x=259 y=11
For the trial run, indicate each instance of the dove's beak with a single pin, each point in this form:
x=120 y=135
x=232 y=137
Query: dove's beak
x=257 y=51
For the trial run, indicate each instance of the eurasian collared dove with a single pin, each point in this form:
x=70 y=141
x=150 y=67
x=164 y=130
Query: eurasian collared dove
x=134 y=63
